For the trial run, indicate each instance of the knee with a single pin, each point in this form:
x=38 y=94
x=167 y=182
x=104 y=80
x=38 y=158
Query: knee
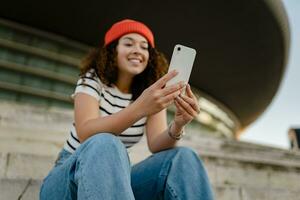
x=186 y=152
x=104 y=141
x=188 y=155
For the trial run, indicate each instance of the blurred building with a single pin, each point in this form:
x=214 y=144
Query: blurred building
x=41 y=68
x=242 y=49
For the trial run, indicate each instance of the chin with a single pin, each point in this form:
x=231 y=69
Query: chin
x=137 y=71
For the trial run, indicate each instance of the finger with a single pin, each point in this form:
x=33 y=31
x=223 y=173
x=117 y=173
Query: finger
x=179 y=108
x=187 y=107
x=163 y=80
x=182 y=111
x=173 y=88
x=170 y=97
x=189 y=91
x=192 y=102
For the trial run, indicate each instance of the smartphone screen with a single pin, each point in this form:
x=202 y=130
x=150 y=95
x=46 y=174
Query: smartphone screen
x=182 y=60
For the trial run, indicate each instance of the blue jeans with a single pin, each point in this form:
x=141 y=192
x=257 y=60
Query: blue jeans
x=100 y=169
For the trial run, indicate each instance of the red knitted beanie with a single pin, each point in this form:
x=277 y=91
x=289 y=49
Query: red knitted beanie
x=128 y=26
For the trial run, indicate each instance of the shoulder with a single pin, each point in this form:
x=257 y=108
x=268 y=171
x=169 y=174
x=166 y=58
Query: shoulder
x=89 y=83
x=91 y=74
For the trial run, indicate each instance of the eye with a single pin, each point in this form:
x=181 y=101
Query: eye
x=144 y=46
x=128 y=44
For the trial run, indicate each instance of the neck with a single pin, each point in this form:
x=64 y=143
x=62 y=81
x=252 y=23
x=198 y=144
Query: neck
x=124 y=83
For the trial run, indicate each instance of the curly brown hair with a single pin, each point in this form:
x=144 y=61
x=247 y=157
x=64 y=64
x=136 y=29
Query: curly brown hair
x=104 y=61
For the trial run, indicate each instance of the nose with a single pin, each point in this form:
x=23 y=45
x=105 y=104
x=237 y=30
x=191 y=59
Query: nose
x=136 y=49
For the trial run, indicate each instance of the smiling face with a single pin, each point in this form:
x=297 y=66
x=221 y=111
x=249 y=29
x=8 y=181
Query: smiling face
x=132 y=54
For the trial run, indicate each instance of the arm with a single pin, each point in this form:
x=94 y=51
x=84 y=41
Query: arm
x=158 y=138
x=154 y=99
x=88 y=121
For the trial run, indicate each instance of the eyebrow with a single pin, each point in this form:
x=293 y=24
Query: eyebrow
x=129 y=38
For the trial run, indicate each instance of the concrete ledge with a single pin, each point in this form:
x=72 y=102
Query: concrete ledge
x=231 y=178
x=237 y=170
x=25 y=166
x=21 y=189
x=244 y=152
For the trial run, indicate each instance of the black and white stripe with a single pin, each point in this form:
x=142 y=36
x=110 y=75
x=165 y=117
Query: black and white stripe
x=111 y=100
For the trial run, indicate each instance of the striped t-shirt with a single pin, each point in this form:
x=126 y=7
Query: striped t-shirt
x=111 y=100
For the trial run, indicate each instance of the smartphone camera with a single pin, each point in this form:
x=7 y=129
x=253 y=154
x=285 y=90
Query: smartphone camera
x=178 y=48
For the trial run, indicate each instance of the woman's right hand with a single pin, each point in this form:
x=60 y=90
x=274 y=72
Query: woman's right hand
x=157 y=97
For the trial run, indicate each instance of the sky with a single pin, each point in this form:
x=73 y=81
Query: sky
x=284 y=112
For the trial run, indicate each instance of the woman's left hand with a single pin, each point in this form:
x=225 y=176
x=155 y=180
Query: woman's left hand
x=187 y=108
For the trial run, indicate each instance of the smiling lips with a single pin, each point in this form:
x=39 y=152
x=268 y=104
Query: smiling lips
x=135 y=60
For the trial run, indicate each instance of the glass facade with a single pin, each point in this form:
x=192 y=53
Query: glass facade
x=36 y=69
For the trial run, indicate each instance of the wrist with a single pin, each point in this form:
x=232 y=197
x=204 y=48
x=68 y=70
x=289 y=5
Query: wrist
x=176 y=128
x=136 y=108
x=174 y=132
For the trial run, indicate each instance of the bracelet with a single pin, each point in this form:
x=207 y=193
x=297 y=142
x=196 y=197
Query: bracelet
x=175 y=137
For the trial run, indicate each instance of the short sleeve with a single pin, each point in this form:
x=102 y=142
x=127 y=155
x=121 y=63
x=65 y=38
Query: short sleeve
x=89 y=84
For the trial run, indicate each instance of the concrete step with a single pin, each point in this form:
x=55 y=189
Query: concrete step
x=25 y=166
x=233 y=176
x=19 y=189
x=21 y=174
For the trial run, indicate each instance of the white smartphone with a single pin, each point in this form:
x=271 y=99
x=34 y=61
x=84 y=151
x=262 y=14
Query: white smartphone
x=182 y=61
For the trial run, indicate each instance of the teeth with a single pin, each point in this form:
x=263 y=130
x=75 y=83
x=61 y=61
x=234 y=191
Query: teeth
x=135 y=60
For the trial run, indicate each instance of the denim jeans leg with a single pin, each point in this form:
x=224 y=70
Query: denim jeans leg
x=98 y=169
x=176 y=173
x=103 y=169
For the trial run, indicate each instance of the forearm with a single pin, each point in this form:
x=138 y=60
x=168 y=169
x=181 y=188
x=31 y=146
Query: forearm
x=115 y=123
x=163 y=141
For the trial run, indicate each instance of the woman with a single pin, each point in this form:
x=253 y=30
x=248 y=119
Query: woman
x=121 y=93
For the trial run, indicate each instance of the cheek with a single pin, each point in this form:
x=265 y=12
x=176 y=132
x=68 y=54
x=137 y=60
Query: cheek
x=120 y=57
x=147 y=58
x=117 y=59
x=121 y=53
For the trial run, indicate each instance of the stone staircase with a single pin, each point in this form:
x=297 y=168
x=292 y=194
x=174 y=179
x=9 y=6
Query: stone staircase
x=31 y=137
